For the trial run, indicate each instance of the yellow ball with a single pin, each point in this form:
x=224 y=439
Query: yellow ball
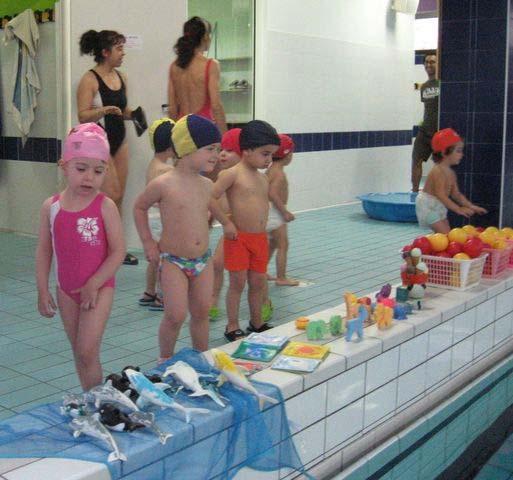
x=499 y=244
x=439 y=242
x=491 y=229
x=487 y=237
x=470 y=230
x=508 y=231
x=461 y=256
x=500 y=235
x=458 y=235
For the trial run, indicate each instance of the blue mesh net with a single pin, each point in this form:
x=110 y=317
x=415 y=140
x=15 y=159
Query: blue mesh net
x=216 y=445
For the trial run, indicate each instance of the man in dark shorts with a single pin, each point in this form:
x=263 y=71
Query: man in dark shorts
x=429 y=94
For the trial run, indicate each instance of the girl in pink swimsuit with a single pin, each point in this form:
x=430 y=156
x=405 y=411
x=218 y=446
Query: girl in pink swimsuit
x=80 y=228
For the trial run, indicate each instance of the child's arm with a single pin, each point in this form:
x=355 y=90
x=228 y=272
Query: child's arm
x=464 y=201
x=45 y=302
x=115 y=256
x=224 y=181
x=151 y=195
x=440 y=187
x=276 y=183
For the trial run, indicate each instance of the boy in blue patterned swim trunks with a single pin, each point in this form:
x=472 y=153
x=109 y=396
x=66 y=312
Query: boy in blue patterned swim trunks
x=184 y=197
x=441 y=191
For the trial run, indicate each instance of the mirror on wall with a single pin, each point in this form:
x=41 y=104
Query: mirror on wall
x=233 y=47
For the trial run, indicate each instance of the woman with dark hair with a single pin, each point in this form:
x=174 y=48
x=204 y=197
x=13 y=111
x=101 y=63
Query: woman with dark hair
x=193 y=85
x=102 y=98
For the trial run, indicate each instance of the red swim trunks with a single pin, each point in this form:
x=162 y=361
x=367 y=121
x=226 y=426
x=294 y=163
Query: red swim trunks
x=249 y=252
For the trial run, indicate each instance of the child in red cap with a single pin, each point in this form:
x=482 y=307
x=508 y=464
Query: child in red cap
x=441 y=189
x=229 y=157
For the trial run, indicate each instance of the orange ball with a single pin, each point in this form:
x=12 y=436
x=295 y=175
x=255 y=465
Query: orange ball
x=508 y=231
x=461 y=256
x=470 y=230
x=458 y=235
x=439 y=242
x=487 y=237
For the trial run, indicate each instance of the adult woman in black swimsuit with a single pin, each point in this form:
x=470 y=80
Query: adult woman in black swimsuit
x=102 y=98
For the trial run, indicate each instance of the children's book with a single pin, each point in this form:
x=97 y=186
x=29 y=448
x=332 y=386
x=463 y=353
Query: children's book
x=275 y=341
x=249 y=368
x=251 y=351
x=306 y=350
x=295 y=364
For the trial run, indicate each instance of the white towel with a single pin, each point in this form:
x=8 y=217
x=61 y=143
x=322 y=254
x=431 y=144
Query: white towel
x=25 y=83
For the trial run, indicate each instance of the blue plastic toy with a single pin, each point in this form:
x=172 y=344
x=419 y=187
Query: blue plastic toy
x=402 y=310
x=355 y=325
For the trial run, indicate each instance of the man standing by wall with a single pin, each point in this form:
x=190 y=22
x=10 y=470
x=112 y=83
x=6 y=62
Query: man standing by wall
x=429 y=94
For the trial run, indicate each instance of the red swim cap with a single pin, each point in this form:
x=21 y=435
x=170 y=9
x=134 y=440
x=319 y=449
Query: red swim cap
x=286 y=146
x=443 y=139
x=230 y=141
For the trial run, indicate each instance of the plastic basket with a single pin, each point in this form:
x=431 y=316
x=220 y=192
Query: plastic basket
x=497 y=261
x=454 y=274
x=510 y=262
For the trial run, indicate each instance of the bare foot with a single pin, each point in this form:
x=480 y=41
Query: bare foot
x=287 y=282
x=270 y=278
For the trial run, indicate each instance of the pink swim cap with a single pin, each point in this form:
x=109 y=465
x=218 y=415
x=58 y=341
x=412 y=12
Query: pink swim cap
x=87 y=140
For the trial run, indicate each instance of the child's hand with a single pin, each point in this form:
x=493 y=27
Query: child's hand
x=479 y=210
x=230 y=231
x=151 y=251
x=88 y=295
x=467 y=212
x=288 y=216
x=46 y=304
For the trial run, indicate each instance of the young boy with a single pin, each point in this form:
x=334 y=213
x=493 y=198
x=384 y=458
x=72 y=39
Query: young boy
x=229 y=157
x=246 y=255
x=441 y=189
x=183 y=195
x=160 y=139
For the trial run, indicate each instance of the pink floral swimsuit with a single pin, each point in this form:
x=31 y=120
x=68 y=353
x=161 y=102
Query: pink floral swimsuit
x=79 y=244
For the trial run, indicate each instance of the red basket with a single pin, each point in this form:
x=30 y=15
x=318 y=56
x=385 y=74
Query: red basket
x=497 y=261
x=454 y=274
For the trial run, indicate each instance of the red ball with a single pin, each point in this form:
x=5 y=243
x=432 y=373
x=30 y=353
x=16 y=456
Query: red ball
x=453 y=248
x=444 y=254
x=407 y=248
x=424 y=244
x=480 y=229
x=473 y=247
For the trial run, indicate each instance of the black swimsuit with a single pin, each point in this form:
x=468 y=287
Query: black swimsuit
x=114 y=125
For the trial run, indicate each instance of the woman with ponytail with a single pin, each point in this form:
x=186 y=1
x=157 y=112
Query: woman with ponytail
x=102 y=98
x=193 y=85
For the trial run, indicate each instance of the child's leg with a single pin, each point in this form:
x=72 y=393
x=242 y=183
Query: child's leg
x=174 y=285
x=441 y=226
x=282 y=247
x=237 y=284
x=200 y=292
x=218 y=261
x=272 y=248
x=91 y=326
x=69 y=311
x=256 y=282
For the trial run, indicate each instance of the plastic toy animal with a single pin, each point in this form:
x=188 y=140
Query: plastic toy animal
x=108 y=394
x=336 y=325
x=402 y=310
x=153 y=393
x=316 y=329
x=385 y=292
x=114 y=419
x=91 y=425
x=383 y=316
x=355 y=325
x=147 y=419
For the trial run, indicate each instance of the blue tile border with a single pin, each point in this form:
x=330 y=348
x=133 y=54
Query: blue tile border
x=327 y=141
x=45 y=150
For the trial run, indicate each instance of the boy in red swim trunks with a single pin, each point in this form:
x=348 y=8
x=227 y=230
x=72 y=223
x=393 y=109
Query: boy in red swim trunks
x=246 y=256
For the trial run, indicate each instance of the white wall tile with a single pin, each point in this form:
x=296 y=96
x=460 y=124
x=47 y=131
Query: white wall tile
x=485 y=313
x=440 y=338
x=462 y=353
x=411 y=384
x=357 y=352
x=345 y=388
x=502 y=328
x=413 y=352
x=59 y=468
x=483 y=340
x=382 y=369
x=464 y=325
x=438 y=368
x=379 y=403
x=250 y=474
x=503 y=303
x=307 y=407
x=331 y=366
x=344 y=424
